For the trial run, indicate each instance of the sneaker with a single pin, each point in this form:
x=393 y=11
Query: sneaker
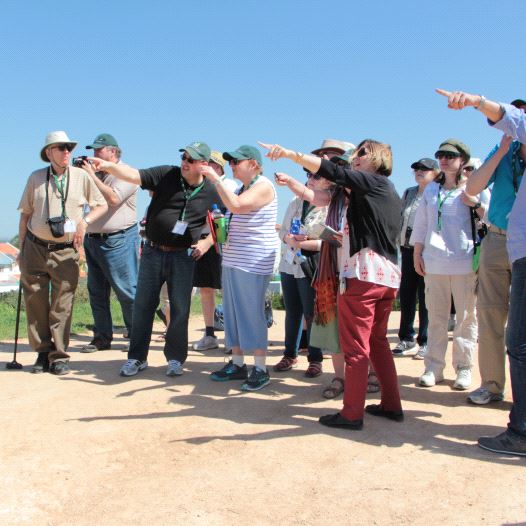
x=463 y=380
x=132 y=367
x=451 y=323
x=404 y=348
x=97 y=344
x=174 y=368
x=206 y=343
x=230 y=371
x=508 y=443
x=429 y=379
x=483 y=396
x=256 y=381
x=421 y=353
x=42 y=363
x=285 y=364
x=59 y=368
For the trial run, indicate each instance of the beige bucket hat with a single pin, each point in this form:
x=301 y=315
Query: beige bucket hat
x=55 y=137
x=334 y=144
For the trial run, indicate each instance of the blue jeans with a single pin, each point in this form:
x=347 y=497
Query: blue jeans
x=412 y=286
x=177 y=270
x=516 y=343
x=298 y=297
x=112 y=264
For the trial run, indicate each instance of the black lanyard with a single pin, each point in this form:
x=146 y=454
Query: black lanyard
x=189 y=195
x=60 y=188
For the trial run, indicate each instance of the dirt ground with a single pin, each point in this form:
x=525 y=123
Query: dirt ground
x=92 y=448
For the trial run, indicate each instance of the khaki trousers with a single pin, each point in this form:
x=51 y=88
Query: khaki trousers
x=439 y=289
x=49 y=280
x=492 y=310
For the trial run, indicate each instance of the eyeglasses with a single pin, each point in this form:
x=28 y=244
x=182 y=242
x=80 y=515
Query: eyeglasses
x=315 y=176
x=63 y=147
x=362 y=152
x=468 y=168
x=189 y=160
x=446 y=155
x=235 y=162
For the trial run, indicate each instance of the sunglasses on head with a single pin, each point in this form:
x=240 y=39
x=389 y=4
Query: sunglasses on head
x=64 y=147
x=446 y=155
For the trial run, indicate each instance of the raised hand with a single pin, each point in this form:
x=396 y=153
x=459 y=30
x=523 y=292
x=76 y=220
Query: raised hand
x=458 y=100
x=275 y=151
x=282 y=179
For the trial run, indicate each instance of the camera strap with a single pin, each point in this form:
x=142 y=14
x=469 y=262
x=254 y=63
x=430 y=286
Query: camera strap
x=60 y=188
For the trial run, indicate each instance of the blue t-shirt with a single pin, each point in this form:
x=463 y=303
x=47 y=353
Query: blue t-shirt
x=503 y=191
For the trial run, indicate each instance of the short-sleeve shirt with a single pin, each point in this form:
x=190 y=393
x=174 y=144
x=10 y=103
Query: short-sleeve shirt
x=82 y=191
x=168 y=203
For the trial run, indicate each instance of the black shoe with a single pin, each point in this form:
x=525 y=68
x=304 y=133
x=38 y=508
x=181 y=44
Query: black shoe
x=338 y=420
x=97 y=344
x=42 y=363
x=507 y=443
x=230 y=371
x=378 y=410
x=59 y=368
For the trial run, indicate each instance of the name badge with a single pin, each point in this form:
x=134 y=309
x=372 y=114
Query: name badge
x=437 y=241
x=70 y=226
x=180 y=228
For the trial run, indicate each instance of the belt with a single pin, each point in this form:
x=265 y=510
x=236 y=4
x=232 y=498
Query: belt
x=50 y=246
x=166 y=248
x=97 y=235
x=497 y=230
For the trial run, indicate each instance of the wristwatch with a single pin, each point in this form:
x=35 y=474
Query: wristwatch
x=87 y=220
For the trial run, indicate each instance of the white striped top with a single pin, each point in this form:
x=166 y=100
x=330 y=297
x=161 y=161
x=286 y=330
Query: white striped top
x=252 y=238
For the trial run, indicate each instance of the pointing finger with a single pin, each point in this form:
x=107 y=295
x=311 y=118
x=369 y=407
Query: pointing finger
x=443 y=92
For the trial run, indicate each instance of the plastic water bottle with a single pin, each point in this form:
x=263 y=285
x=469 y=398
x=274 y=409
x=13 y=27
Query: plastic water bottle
x=220 y=224
x=295 y=229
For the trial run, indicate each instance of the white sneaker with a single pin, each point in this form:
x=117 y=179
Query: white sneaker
x=404 y=348
x=463 y=380
x=132 y=367
x=206 y=343
x=429 y=379
x=421 y=354
x=483 y=396
x=174 y=368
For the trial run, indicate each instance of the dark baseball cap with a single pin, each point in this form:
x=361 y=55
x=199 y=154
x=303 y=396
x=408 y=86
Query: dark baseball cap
x=518 y=103
x=198 y=151
x=425 y=163
x=455 y=146
x=244 y=152
x=103 y=139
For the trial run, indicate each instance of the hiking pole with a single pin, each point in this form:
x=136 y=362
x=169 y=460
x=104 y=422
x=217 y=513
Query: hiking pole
x=14 y=365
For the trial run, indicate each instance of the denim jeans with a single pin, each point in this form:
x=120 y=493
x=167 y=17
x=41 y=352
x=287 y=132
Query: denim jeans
x=112 y=264
x=298 y=296
x=516 y=343
x=177 y=270
x=412 y=286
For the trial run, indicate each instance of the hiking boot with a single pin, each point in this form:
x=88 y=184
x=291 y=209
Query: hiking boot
x=285 y=364
x=132 y=367
x=97 y=344
x=256 y=381
x=42 y=363
x=421 y=353
x=206 y=343
x=230 y=371
x=174 y=368
x=404 y=348
x=463 y=380
x=483 y=396
x=507 y=443
x=429 y=379
x=59 y=368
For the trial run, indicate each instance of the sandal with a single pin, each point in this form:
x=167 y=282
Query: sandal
x=286 y=364
x=373 y=386
x=334 y=389
x=313 y=370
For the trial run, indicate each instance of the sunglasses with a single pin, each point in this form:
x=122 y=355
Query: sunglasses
x=313 y=176
x=189 y=160
x=469 y=168
x=235 y=162
x=446 y=155
x=362 y=152
x=64 y=147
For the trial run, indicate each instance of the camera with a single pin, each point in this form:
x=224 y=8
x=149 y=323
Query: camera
x=79 y=161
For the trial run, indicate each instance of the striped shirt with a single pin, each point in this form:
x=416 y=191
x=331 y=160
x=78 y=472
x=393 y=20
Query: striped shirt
x=252 y=238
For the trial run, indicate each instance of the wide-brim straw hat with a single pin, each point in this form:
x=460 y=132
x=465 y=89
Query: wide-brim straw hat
x=55 y=137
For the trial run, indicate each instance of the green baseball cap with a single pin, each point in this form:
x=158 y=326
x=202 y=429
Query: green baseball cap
x=103 y=139
x=455 y=146
x=244 y=152
x=198 y=151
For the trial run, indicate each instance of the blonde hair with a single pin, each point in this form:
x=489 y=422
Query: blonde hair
x=381 y=156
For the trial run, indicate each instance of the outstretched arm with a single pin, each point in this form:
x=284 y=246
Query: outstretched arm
x=458 y=100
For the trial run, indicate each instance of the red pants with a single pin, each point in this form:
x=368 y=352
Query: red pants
x=363 y=313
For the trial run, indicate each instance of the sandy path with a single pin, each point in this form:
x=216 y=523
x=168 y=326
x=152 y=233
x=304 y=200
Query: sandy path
x=92 y=448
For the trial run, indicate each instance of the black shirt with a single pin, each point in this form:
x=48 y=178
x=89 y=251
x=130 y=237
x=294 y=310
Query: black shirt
x=168 y=202
x=374 y=209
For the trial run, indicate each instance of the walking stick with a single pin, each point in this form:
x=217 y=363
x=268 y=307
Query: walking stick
x=14 y=365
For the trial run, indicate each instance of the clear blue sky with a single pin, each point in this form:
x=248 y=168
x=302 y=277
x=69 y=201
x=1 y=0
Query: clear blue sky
x=161 y=74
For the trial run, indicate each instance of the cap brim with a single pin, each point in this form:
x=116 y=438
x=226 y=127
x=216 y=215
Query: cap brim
x=228 y=156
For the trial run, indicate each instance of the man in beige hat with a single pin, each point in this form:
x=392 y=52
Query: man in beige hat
x=51 y=231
